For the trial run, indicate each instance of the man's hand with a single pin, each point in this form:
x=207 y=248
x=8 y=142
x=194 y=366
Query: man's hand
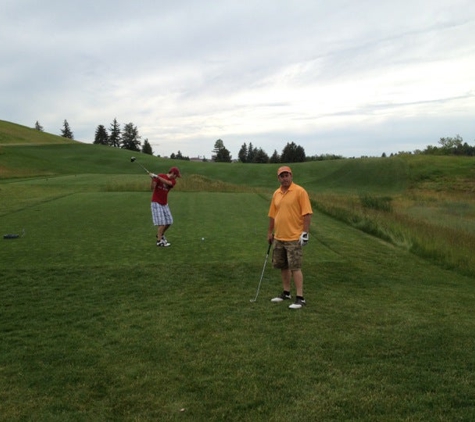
x=152 y=175
x=270 y=238
x=303 y=240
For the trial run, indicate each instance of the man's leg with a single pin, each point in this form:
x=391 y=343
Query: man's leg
x=286 y=275
x=298 y=281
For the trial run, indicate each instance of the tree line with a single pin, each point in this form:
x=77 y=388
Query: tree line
x=451 y=146
x=291 y=153
x=128 y=138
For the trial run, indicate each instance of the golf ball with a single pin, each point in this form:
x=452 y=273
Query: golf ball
x=202 y=238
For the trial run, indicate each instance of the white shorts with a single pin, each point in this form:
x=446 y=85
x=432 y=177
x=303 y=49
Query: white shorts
x=161 y=214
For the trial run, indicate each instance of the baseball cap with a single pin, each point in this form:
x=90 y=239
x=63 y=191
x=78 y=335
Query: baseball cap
x=175 y=171
x=284 y=169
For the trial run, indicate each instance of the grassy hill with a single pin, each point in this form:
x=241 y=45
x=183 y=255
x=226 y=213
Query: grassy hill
x=25 y=152
x=14 y=134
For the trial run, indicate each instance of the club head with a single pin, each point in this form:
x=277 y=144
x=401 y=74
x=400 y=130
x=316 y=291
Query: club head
x=132 y=159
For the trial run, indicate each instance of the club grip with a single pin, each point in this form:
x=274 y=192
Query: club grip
x=268 y=249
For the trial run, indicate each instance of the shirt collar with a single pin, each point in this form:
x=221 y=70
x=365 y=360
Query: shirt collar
x=288 y=189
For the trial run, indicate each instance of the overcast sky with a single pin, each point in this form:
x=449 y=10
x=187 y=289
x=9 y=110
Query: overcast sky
x=347 y=77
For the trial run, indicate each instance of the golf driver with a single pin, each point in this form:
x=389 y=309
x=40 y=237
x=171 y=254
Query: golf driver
x=262 y=274
x=133 y=159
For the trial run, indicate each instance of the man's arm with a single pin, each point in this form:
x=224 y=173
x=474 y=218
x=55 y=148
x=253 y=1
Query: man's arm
x=307 y=218
x=270 y=230
x=165 y=181
x=156 y=177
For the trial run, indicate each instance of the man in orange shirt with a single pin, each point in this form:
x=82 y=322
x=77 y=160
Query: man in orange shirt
x=290 y=214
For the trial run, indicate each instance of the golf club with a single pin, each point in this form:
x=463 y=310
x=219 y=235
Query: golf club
x=133 y=159
x=262 y=274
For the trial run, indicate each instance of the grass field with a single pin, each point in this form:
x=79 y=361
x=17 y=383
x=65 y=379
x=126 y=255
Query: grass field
x=97 y=323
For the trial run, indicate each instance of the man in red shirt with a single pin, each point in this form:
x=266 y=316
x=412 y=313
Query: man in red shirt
x=161 y=215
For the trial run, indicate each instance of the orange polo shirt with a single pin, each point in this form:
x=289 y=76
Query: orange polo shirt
x=287 y=209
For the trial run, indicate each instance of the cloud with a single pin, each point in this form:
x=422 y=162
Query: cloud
x=186 y=73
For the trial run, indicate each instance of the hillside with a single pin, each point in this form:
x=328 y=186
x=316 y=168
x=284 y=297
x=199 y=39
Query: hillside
x=14 y=134
x=25 y=152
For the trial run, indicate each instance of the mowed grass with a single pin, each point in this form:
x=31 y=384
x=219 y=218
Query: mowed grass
x=97 y=323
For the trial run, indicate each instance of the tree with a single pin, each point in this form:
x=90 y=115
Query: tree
x=179 y=156
x=466 y=149
x=275 y=158
x=251 y=152
x=130 y=138
x=38 y=126
x=115 y=136
x=292 y=153
x=101 y=137
x=260 y=156
x=66 y=131
x=242 y=154
x=147 y=148
x=221 y=154
x=450 y=145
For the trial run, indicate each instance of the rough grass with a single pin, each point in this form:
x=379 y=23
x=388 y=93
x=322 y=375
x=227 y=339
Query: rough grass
x=441 y=231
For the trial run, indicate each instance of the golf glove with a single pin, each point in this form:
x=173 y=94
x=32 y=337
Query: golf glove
x=152 y=175
x=303 y=240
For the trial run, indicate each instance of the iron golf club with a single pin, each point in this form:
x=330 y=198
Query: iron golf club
x=133 y=160
x=262 y=274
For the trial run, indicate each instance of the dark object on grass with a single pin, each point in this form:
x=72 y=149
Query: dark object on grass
x=11 y=236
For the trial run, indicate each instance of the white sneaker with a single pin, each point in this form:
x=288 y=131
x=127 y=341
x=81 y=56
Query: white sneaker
x=283 y=296
x=163 y=243
x=299 y=303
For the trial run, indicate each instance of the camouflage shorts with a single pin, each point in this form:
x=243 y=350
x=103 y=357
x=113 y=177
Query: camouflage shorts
x=287 y=255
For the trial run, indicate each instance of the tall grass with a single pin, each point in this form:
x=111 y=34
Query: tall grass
x=431 y=236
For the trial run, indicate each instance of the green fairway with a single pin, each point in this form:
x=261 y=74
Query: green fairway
x=97 y=323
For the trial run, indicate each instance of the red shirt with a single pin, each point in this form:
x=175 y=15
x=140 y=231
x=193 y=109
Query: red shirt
x=160 y=193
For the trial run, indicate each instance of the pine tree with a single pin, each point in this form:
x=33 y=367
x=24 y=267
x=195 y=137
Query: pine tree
x=66 y=131
x=275 y=158
x=292 y=153
x=221 y=154
x=147 y=148
x=101 y=137
x=251 y=152
x=260 y=156
x=130 y=138
x=38 y=126
x=115 y=134
x=242 y=154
